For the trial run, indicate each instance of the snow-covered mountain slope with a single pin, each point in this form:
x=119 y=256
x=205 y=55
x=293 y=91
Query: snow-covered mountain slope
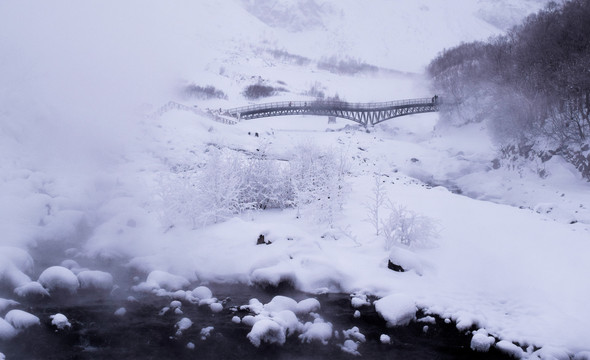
x=83 y=167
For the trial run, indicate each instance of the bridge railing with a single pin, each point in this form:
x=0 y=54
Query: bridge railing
x=331 y=104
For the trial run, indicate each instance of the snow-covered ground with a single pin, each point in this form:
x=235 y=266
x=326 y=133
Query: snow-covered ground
x=83 y=165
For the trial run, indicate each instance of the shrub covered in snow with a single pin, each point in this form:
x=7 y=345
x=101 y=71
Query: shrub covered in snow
x=406 y=227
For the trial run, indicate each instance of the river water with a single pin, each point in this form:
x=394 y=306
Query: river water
x=142 y=333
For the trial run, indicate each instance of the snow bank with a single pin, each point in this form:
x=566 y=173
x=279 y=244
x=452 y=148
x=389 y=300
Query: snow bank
x=396 y=309
x=21 y=319
x=59 y=278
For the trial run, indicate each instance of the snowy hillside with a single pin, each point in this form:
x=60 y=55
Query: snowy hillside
x=93 y=169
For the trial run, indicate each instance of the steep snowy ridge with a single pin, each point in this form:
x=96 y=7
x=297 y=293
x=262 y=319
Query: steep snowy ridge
x=88 y=169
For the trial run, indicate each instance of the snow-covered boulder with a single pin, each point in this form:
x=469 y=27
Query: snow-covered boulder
x=396 y=309
x=21 y=319
x=6 y=303
x=288 y=320
x=182 y=325
x=59 y=278
x=162 y=280
x=95 y=280
x=406 y=259
x=510 y=349
x=317 y=331
x=350 y=347
x=306 y=306
x=481 y=341
x=60 y=321
x=279 y=303
x=267 y=330
x=7 y=331
x=31 y=289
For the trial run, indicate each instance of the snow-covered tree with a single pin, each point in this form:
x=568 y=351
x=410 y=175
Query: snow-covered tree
x=406 y=227
x=376 y=201
x=319 y=181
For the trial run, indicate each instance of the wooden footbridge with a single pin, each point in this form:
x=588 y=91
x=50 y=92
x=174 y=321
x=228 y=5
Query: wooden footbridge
x=362 y=113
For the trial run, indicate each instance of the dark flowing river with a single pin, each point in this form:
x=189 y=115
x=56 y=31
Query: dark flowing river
x=142 y=333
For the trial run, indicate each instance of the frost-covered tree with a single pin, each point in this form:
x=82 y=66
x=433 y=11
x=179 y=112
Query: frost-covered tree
x=376 y=201
x=319 y=181
x=406 y=227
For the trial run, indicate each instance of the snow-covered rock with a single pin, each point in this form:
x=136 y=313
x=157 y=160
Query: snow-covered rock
x=350 y=347
x=59 y=278
x=481 y=341
x=406 y=258
x=120 y=312
x=60 y=321
x=32 y=288
x=182 y=325
x=7 y=331
x=509 y=348
x=306 y=306
x=95 y=280
x=158 y=279
x=216 y=307
x=202 y=293
x=6 y=303
x=354 y=334
x=385 y=339
x=267 y=330
x=317 y=331
x=21 y=319
x=396 y=309
x=206 y=332
x=279 y=303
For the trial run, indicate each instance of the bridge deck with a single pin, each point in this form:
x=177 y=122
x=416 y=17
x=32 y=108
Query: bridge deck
x=363 y=113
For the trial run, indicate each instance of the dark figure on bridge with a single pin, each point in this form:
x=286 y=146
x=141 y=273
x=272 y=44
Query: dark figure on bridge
x=435 y=99
x=290 y=103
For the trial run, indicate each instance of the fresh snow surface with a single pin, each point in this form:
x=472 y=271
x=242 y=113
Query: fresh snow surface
x=86 y=160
